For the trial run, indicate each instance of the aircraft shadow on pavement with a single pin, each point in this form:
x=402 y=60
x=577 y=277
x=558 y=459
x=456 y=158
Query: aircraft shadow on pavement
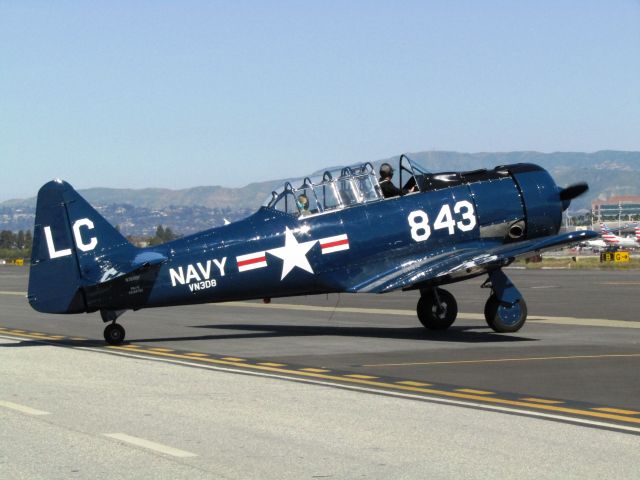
x=454 y=334
x=45 y=342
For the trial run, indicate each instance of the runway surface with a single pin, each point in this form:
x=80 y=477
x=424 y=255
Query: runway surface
x=576 y=361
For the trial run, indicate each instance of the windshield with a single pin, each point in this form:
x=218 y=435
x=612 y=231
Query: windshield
x=334 y=190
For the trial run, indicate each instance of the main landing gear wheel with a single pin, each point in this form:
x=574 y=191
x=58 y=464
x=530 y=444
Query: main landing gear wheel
x=114 y=334
x=437 y=309
x=505 y=319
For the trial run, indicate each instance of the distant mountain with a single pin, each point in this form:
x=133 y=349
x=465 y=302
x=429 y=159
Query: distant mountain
x=138 y=211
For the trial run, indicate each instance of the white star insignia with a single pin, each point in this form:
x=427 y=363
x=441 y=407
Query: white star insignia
x=293 y=254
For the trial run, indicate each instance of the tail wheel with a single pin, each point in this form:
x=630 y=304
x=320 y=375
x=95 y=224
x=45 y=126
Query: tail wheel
x=114 y=334
x=437 y=310
x=505 y=319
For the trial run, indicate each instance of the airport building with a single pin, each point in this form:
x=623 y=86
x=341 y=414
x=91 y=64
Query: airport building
x=622 y=208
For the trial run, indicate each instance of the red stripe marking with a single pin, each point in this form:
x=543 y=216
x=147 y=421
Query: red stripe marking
x=251 y=261
x=335 y=244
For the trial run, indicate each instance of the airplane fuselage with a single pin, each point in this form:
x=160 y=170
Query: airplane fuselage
x=273 y=253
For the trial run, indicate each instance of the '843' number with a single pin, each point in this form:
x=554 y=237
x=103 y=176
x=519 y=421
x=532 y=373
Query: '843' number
x=421 y=229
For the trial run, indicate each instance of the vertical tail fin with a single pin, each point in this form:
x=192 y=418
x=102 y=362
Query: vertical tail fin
x=73 y=246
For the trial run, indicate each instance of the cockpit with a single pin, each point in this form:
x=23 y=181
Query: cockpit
x=342 y=188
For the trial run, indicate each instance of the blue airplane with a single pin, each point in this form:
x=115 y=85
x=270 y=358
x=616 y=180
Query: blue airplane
x=334 y=233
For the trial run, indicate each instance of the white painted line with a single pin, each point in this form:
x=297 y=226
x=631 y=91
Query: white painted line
x=22 y=408
x=149 y=445
x=448 y=401
x=19 y=294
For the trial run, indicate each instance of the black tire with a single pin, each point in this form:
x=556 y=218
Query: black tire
x=114 y=334
x=504 y=319
x=434 y=316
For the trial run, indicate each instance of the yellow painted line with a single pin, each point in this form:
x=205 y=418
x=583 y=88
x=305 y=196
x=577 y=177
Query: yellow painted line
x=407 y=388
x=233 y=359
x=391 y=386
x=475 y=392
x=196 y=354
x=542 y=400
x=269 y=364
x=132 y=346
x=357 y=375
x=501 y=360
x=17 y=294
x=17 y=331
x=414 y=384
x=163 y=350
x=586 y=322
x=617 y=410
x=39 y=336
x=314 y=370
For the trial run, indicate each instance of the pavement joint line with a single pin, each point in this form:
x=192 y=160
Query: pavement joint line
x=616 y=410
x=149 y=445
x=484 y=405
x=392 y=386
x=542 y=400
x=500 y=360
x=22 y=408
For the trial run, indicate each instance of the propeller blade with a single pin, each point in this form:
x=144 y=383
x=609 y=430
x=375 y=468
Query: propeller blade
x=573 y=191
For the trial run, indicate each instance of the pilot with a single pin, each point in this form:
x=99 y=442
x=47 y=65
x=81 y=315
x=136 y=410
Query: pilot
x=303 y=205
x=386 y=185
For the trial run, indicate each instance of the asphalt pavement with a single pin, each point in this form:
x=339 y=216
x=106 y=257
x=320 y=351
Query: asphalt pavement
x=345 y=362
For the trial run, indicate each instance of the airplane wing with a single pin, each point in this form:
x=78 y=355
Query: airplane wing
x=425 y=269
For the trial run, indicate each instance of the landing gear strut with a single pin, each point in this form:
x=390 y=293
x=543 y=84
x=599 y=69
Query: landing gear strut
x=437 y=309
x=114 y=332
x=505 y=310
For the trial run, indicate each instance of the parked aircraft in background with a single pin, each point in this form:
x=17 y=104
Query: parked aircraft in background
x=336 y=233
x=617 y=241
x=596 y=244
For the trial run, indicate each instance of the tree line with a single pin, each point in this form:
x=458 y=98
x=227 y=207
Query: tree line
x=18 y=244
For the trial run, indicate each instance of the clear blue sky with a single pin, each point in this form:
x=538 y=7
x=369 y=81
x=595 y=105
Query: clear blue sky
x=185 y=93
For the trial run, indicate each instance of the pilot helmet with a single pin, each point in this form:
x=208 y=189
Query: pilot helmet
x=302 y=202
x=386 y=170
